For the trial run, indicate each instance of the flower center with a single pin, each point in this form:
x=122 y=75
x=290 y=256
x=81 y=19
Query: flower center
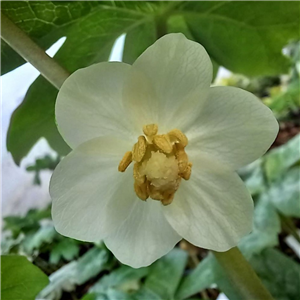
x=160 y=162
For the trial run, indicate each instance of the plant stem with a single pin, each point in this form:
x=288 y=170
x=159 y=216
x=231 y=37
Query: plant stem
x=31 y=52
x=243 y=278
x=289 y=226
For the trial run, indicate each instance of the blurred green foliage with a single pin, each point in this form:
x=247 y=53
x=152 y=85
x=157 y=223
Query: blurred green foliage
x=45 y=163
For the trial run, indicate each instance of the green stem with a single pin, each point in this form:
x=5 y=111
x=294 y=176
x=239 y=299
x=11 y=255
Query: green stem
x=31 y=52
x=289 y=226
x=243 y=278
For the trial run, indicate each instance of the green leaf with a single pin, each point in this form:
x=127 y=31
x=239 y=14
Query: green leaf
x=279 y=273
x=253 y=177
x=176 y=24
x=47 y=162
x=266 y=228
x=165 y=274
x=138 y=40
x=288 y=100
x=199 y=279
x=90 y=27
x=91 y=263
x=44 y=21
x=124 y=278
x=35 y=240
x=20 y=280
x=78 y=272
x=285 y=193
x=90 y=37
x=34 y=119
x=10 y=245
x=113 y=294
x=244 y=36
x=145 y=293
x=89 y=297
x=28 y=223
x=67 y=249
x=280 y=159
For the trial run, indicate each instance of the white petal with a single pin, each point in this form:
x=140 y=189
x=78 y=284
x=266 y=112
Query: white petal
x=212 y=210
x=168 y=82
x=144 y=237
x=90 y=197
x=89 y=104
x=234 y=126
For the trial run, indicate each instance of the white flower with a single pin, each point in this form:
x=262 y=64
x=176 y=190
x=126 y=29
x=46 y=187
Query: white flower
x=102 y=111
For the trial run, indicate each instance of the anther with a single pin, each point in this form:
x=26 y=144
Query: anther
x=177 y=136
x=139 y=149
x=125 y=162
x=168 y=198
x=141 y=190
x=163 y=143
x=187 y=173
x=155 y=193
x=181 y=157
x=150 y=130
x=136 y=174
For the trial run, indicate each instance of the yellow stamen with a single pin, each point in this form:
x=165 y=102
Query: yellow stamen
x=141 y=190
x=139 y=149
x=150 y=130
x=160 y=164
x=163 y=143
x=168 y=198
x=187 y=173
x=125 y=162
x=137 y=175
x=181 y=157
x=177 y=136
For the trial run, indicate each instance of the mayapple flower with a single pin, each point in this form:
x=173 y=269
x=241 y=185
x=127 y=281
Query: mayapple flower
x=155 y=154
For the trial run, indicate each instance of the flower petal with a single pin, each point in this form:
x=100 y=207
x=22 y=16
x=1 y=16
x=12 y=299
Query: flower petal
x=212 y=210
x=144 y=237
x=233 y=126
x=90 y=197
x=89 y=104
x=168 y=82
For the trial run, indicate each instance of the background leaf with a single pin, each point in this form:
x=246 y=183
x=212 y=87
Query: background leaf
x=20 y=280
x=124 y=278
x=198 y=279
x=77 y=272
x=285 y=193
x=244 y=36
x=44 y=21
x=67 y=249
x=34 y=119
x=165 y=274
x=282 y=158
x=279 y=274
